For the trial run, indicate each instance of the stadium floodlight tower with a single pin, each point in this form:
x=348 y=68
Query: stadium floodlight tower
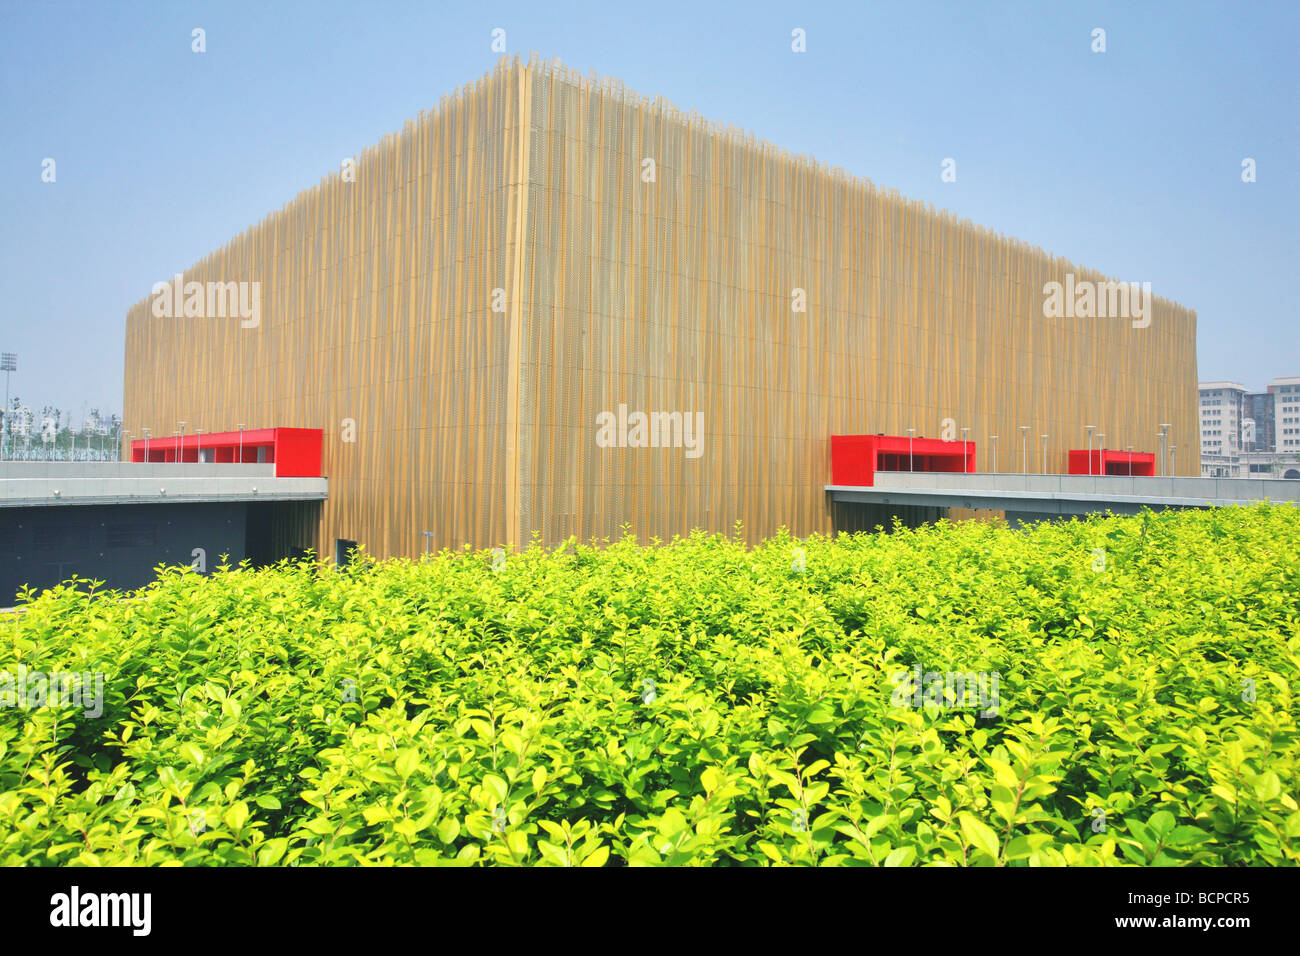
x=8 y=363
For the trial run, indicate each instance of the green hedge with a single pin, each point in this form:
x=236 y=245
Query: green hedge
x=693 y=703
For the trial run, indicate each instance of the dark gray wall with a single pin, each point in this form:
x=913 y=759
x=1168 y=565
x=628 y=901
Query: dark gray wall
x=852 y=516
x=118 y=544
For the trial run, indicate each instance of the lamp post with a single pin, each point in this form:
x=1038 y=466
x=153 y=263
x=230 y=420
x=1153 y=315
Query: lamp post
x=241 y=443
x=1172 y=464
x=180 y=455
x=994 y=439
x=1024 y=460
x=198 y=455
x=910 y=432
x=1130 y=461
x=1164 y=441
x=8 y=363
x=1044 y=438
x=1090 y=430
x=427 y=536
x=147 y=445
x=965 y=458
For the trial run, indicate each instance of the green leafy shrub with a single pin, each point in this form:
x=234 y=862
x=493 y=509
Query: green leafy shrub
x=695 y=703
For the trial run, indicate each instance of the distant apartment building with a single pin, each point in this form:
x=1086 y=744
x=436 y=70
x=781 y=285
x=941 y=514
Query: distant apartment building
x=1221 y=408
x=1257 y=432
x=1286 y=414
x=1250 y=434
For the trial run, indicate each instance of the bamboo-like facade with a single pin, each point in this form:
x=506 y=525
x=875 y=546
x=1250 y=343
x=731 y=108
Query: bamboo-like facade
x=510 y=266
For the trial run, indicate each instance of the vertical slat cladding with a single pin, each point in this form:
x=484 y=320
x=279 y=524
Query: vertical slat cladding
x=671 y=295
x=682 y=293
x=376 y=306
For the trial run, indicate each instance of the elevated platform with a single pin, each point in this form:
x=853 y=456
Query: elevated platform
x=1053 y=495
x=25 y=484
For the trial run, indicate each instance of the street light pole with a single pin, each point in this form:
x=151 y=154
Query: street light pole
x=180 y=456
x=1164 y=442
x=965 y=458
x=1090 y=430
x=994 y=439
x=910 y=432
x=1024 y=460
x=1130 y=461
x=241 y=443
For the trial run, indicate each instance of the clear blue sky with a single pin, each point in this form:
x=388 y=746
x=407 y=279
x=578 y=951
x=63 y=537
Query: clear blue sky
x=1127 y=161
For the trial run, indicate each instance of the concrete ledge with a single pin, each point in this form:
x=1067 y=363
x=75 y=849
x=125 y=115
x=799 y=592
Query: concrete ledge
x=1063 y=494
x=127 y=469
x=47 y=484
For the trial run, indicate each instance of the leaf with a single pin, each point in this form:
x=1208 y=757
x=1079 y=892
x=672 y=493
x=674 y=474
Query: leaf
x=271 y=852
x=820 y=716
x=597 y=857
x=1003 y=802
x=406 y=762
x=711 y=779
x=1161 y=823
x=448 y=830
x=901 y=856
x=1188 y=836
x=979 y=834
x=237 y=816
x=1268 y=786
x=496 y=786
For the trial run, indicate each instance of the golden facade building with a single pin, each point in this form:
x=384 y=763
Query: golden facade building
x=552 y=306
